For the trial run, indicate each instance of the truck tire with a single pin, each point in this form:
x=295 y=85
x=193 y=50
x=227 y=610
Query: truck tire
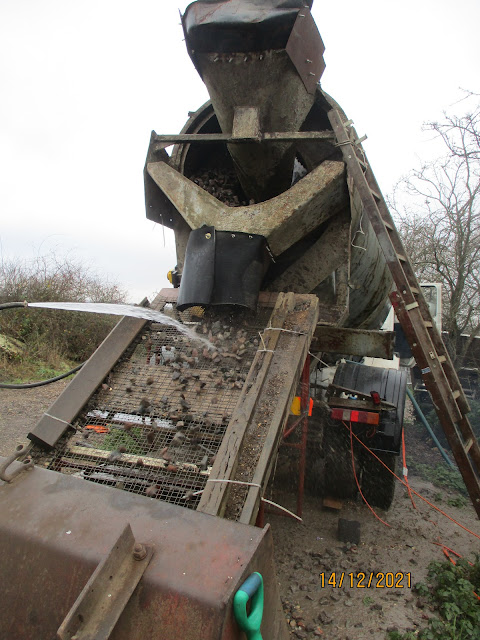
x=339 y=477
x=378 y=484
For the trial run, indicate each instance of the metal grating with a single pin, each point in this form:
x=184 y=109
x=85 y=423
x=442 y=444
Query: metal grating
x=155 y=425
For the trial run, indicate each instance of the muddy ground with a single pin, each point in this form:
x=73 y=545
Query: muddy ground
x=311 y=561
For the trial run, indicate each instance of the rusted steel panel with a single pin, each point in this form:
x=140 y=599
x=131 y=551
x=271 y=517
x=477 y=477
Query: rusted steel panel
x=305 y=48
x=103 y=599
x=355 y=342
x=55 y=530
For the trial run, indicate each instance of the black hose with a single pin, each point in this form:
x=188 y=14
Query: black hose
x=12 y=305
x=41 y=383
x=32 y=385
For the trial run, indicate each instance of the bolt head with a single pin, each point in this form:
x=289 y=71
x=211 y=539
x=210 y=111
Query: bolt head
x=139 y=551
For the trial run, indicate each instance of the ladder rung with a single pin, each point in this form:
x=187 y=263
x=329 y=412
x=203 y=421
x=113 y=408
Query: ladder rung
x=414 y=291
x=428 y=324
x=389 y=226
x=442 y=359
x=401 y=258
x=456 y=394
x=362 y=163
x=375 y=194
x=468 y=445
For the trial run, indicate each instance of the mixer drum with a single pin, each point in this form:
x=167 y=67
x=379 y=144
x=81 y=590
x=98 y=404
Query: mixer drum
x=262 y=62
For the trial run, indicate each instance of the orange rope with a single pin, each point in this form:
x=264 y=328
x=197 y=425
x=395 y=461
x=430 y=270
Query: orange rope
x=412 y=490
x=356 y=479
x=445 y=551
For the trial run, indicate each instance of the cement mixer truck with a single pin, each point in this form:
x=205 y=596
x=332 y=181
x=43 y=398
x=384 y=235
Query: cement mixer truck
x=131 y=510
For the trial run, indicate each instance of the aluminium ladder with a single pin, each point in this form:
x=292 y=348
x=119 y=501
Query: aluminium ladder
x=413 y=314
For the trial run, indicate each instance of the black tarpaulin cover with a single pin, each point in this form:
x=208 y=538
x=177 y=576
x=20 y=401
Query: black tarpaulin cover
x=228 y=26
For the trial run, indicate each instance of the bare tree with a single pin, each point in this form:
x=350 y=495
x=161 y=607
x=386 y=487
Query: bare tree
x=439 y=222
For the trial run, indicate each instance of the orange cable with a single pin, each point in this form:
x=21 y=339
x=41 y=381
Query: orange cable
x=358 y=484
x=445 y=551
x=444 y=547
x=413 y=490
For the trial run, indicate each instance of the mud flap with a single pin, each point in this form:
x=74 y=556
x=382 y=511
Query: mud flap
x=223 y=268
x=391 y=386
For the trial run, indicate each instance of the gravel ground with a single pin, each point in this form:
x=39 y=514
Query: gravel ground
x=20 y=410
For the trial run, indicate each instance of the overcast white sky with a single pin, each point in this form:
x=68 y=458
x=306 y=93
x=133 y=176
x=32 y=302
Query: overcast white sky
x=83 y=83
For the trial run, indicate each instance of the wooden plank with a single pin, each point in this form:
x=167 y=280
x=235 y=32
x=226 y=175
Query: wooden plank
x=127 y=458
x=265 y=298
x=213 y=500
x=53 y=424
x=284 y=375
x=361 y=405
x=355 y=342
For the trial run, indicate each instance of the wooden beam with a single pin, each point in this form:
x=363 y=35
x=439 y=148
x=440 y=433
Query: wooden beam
x=213 y=500
x=274 y=406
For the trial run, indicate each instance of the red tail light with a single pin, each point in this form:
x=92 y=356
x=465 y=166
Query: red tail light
x=367 y=417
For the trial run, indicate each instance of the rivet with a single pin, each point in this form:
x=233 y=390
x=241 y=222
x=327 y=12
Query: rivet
x=208 y=236
x=233 y=235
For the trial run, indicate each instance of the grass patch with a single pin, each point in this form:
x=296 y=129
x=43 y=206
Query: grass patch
x=31 y=336
x=440 y=475
x=26 y=370
x=451 y=590
x=131 y=440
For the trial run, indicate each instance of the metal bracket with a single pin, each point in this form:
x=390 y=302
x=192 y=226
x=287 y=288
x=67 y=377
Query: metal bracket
x=27 y=464
x=100 y=604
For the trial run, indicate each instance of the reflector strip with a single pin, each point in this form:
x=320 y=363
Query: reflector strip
x=367 y=417
x=296 y=407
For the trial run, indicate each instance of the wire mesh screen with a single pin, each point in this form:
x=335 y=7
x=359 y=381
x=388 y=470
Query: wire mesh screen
x=155 y=425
